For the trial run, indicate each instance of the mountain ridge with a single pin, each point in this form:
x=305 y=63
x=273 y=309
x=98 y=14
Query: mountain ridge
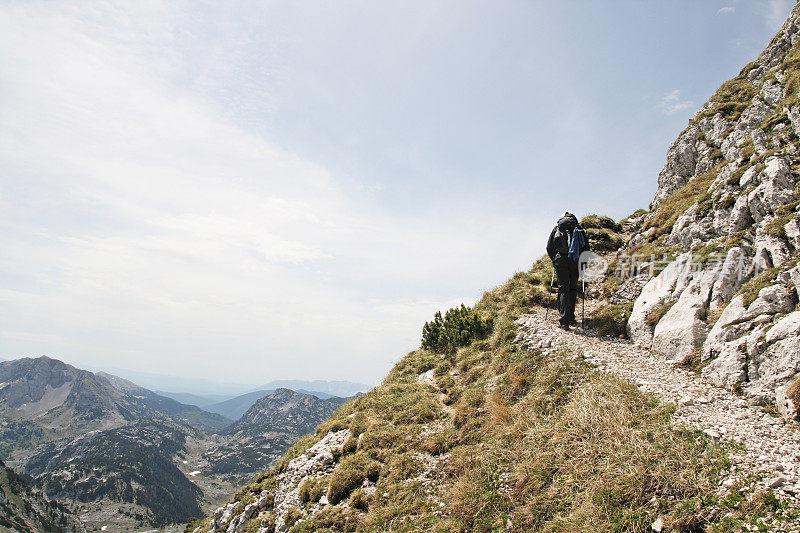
x=234 y=408
x=59 y=424
x=264 y=433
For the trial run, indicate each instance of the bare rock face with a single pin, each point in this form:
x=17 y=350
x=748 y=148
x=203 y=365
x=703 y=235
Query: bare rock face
x=747 y=123
x=682 y=329
x=744 y=350
x=745 y=145
x=657 y=291
x=319 y=457
x=681 y=165
x=271 y=509
x=775 y=190
x=729 y=279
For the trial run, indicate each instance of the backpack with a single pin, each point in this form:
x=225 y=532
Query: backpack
x=562 y=241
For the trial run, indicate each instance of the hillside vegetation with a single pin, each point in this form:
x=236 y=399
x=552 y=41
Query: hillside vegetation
x=491 y=437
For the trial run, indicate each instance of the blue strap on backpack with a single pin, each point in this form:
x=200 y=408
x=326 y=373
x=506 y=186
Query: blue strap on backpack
x=578 y=243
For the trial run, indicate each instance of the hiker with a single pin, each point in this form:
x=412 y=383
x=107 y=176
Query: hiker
x=566 y=243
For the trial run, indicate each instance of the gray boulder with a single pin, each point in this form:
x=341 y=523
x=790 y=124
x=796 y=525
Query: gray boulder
x=682 y=329
x=740 y=216
x=657 y=291
x=731 y=275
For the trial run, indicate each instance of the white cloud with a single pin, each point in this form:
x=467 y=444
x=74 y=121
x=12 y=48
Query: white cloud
x=726 y=10
x=142 y=229
x=672 y=103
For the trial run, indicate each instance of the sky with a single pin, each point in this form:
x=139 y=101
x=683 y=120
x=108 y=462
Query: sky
x=258 y=190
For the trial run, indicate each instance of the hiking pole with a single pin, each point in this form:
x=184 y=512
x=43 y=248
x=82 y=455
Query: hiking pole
x=550 y=294
x=583 y=306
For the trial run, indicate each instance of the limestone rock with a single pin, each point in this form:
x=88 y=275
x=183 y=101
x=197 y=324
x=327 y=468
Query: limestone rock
x=682 y=329
x=760 y=144
x=771 y=300
x=775 y=190
x=751 y=119
x=680 y=165
x=784 y=404
x=772 y=93
x=788 y=326
x=729 y=368
x=740 y=215
x=714 y=128
x=426 y=377
x=750 y=177
x=792 y=230
x=730 y=278
x=794 y=118
x=316 y=459
x=658 y=525
x=769 y=251
x=794 y=275
x=657 y=291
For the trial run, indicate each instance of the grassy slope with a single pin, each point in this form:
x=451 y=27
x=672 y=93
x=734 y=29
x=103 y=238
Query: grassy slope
x=518 y=439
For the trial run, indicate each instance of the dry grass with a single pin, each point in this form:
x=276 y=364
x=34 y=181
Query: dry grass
x=600 y=222
x=604 y=240
x=350 y=474
x=580 y=451
x=731 y=99
x=601 y=460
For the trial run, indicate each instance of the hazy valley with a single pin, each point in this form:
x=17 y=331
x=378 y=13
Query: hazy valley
x=124 y=457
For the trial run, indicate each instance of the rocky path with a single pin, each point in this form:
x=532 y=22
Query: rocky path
x=770 y=447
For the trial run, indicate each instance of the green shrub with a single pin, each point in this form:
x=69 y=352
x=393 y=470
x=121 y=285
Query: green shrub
x=459 y=327
x=604 y=240
x=611 y=319
x=600 y=222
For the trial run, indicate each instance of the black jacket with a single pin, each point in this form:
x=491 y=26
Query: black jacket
x=559 y=241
